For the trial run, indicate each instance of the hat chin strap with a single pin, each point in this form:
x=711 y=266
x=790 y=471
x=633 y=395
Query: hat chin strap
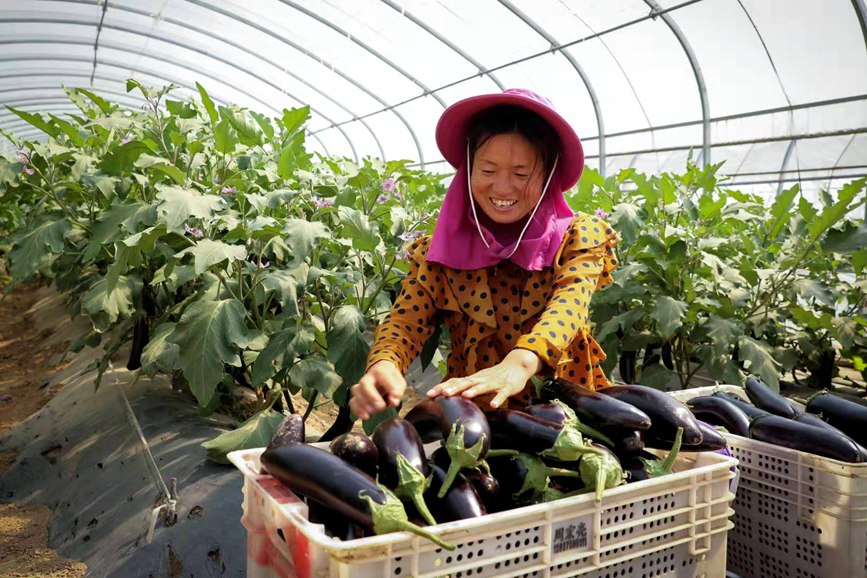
x=533 y=214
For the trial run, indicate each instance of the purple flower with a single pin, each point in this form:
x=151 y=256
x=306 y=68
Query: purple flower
x=264 y=265
x=320 y=202
x=409 y=236
x=124 y=140
x=227 y=190
x=28 y=170
x=23 y=158
x=601 y=214
x=197 y=233
x=388 y=185
x=382 y=199
x=217 y=180
x=655 y=233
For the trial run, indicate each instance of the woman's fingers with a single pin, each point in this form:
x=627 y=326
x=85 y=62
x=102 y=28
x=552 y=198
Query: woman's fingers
x=454 y=386
x=365 y=398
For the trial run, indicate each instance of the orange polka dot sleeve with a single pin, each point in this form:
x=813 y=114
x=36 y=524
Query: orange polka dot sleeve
x=400 y=337
x=583 y=265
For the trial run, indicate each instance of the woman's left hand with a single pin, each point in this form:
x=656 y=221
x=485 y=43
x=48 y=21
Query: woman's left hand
x=507 y=378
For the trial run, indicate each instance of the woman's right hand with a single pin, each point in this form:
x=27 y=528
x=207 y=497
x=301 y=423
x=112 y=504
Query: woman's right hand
x=381 y=386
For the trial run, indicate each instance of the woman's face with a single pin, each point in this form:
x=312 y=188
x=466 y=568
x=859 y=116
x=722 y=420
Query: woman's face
x=507 y=178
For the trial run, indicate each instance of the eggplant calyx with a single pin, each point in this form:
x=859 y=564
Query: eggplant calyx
x=656 y=468
x=412 y=485
x=572 y=420
x=569 y=446
x=817 y=394
x=600 y=471
x=461 y=456
x=536 y=481
x=391 y=517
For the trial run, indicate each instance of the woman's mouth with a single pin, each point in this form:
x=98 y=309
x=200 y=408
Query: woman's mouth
x=502 y=204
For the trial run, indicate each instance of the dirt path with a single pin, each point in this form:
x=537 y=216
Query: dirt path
x=24 y=368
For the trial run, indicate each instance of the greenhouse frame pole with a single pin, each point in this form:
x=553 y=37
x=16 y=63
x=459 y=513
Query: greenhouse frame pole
x=861 y=12
x=696 y=70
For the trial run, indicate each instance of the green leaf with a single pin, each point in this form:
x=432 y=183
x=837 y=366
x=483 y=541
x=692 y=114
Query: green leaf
x=122 y=158
x=225 y=138
x=658 y=376
x=162 y=165
x=207 y=252
x=347 y=348
x=209 y=335
x=69 y=129
x=836 y=211
x=35 y=247
x=669 y=314
x=626 y=219
x=247 y=130
x=814 y=289
x=720 y=368
x=851 y=238
x=294 y=118
x=624 y=322
x=256 y=432
x=315 y=373
x=844 y=330
x=181 y=109
x=282 y=350
x=781 y=211
x=106 y=306
x=284 y=283
x=104 y=106
x=293 y=157
x=160 y=354
x=303 y=235
x=179 y=204
x=209 y=104
x=116 y=222
x=761 y=360
x=724 y=333
x=357 y=227
x=36 y=120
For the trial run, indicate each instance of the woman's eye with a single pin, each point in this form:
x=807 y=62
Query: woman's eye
x=487 y=172
x=521 y=175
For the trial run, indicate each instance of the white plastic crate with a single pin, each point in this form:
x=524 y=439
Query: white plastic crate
x=670 y=527
x=796 y=514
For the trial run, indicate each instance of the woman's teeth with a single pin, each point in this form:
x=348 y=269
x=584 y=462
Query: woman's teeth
x=503 y=204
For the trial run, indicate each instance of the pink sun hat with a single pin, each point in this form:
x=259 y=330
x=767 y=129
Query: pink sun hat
x=451 y=131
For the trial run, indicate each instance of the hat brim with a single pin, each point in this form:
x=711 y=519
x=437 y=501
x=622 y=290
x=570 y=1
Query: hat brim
x=451 y=132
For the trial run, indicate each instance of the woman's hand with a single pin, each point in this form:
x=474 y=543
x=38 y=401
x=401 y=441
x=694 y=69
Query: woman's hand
x=507 y=378
x=381 y=386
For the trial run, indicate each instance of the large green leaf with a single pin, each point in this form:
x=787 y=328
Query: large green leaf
x=781 y=211
x=35 y=119
x=293 y=157
x=347 y=348
x=658 y=376
x=122 y=158
x=160 y=354
x=284 y=283
x=626 y=218
x=845 y=204
x=247 y=130
x=723 y=332
x=761 y=360
x=294 y=118
x=623 y=322
x=303 y=235
x=208 y=103
x=207 y=252
x=209 y=334
x=357 y=227
x=256 y=432
x=35 y=247
x=809 y=288
x=177 y=205
x=116 y=222
x=315 y=373
x=106 y=306
x=844 y=330
x=669 y=314
x=282 y=349
x=848 y=239
x=225 y=137
x=161 y=165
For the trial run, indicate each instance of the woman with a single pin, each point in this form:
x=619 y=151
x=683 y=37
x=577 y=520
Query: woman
x=509 y=268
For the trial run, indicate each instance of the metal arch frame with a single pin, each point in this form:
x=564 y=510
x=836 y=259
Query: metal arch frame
x=258 y=56
x=696 y=70
x=861 y=13
x=148 y=72
x=113 y=93
x=218 y=59
x=483 y=71
x=839 y=158
x=332 y=68
x=555 y=47
x=370 y=49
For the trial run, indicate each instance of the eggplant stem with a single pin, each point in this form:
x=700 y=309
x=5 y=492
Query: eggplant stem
x=410 y=527
x=817 y=394
x=600 y=483
x=668 y=464
x=453 y=471
x=502 y=453
x=562 y=473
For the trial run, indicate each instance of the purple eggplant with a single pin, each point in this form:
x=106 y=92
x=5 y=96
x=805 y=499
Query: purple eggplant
x=666 y=413
x=516 y=430
x=460 y=502
x=711 y=440
x=624 y=441
x=746 y=407
x=486 y=485
x=463 y=426
x=644 y=465
x=290 y=431
x=561 y=414
x=402 y=464
x=592 y=407
x=523 y=478
x=720 y=411
x=788 y=433
x=357 y=449
x=815 y=420
x=321 y=476
x=850 y=417
x=763 y=397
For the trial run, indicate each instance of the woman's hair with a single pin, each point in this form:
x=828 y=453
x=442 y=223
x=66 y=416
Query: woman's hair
x=507 y=119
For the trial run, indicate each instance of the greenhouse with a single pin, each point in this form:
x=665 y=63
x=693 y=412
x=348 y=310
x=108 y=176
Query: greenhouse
x=299 y=288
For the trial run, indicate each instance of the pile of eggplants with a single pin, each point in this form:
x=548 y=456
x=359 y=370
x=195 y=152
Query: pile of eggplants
x=832 y=426
x=571 y=440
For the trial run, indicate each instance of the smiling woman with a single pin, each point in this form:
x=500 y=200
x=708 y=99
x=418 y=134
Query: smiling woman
x=510 y=268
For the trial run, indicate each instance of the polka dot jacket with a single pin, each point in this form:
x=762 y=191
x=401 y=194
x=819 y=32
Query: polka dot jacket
x=489 y=312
